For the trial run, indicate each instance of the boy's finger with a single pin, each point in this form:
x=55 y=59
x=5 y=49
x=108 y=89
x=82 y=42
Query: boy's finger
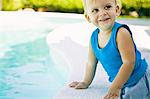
x=80 y=86
x=114 y=97
x=108 y=96
x=73 y=84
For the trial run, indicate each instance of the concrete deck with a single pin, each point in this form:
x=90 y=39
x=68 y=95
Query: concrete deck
x=72 y=42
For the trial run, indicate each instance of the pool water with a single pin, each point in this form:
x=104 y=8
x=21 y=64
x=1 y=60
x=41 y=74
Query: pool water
x=27 y=70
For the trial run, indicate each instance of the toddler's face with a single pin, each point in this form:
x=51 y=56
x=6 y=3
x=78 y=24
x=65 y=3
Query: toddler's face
x=102 y=13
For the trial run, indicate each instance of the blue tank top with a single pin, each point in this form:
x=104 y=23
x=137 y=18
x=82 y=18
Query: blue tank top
x=110 y=58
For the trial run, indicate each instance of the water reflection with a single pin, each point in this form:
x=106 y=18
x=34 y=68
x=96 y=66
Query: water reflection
x=27 y=72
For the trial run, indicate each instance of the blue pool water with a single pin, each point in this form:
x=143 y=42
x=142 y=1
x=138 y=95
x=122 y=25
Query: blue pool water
x=27 y=72
x=26 y=68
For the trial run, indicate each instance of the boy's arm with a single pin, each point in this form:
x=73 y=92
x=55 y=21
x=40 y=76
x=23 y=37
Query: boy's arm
x=127 y=51
x=91 y=67
x=89 y=72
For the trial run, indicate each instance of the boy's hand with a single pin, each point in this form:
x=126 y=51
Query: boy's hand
x=78 y=85
x=113 y=93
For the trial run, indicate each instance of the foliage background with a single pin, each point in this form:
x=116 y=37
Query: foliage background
x=141 y=7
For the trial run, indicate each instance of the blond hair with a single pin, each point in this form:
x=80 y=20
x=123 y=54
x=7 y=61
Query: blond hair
x=118 y=2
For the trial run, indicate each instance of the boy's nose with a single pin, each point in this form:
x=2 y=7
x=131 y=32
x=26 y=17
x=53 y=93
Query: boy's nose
x=102 y=13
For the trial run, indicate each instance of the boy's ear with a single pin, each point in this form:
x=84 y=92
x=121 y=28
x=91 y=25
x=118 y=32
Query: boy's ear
x=118 y=10
x=87 y=18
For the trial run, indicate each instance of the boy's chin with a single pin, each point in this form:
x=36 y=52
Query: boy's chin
x=106 y=27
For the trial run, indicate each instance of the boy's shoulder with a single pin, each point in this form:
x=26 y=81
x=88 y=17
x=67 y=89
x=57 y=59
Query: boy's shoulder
x=95 y=32
x=121 y=27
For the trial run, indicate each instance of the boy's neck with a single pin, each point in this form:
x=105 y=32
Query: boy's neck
x=106 y=32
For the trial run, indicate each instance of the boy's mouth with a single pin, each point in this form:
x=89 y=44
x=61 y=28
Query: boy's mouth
x=105 y=19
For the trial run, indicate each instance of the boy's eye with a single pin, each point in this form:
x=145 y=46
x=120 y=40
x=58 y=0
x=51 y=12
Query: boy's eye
x=94 y=10
x=107 y=7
